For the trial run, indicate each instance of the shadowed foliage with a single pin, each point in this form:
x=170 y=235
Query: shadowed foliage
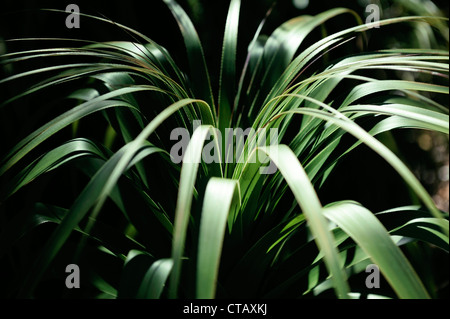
x=92 y=180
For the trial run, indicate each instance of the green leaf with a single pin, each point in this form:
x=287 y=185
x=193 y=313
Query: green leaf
x=227 y=85
x=388 y=85
x=432 y=120
x=107 y=291
x=200 y=82
x=97 y=104
x=413 y=222
x=308 y=55
x=136 y=265
x=67 y=152
x=306 y=197
x=191 y=162
x=282 y=45
x=155 y=279
x=95 y=194
x=354 y=129
x=365 y=229
x=220 y=197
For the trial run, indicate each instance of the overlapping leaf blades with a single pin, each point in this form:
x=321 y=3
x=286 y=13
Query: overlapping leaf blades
x=219 y=207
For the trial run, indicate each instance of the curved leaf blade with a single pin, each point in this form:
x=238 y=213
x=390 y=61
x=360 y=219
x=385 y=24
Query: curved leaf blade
x=188 y=177
x=199 y=71
x=220 y=195
x=306 y=197
x=373 y=238
x=228 y=69
x=155 y=279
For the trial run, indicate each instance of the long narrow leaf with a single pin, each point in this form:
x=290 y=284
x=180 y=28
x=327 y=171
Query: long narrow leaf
x=199 y=72
x=191 y=162
x=373 y=238
x=227 y=85
x=220 y=195
x=304 y=193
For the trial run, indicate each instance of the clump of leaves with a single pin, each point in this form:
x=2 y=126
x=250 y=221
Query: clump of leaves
x=219 y=229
